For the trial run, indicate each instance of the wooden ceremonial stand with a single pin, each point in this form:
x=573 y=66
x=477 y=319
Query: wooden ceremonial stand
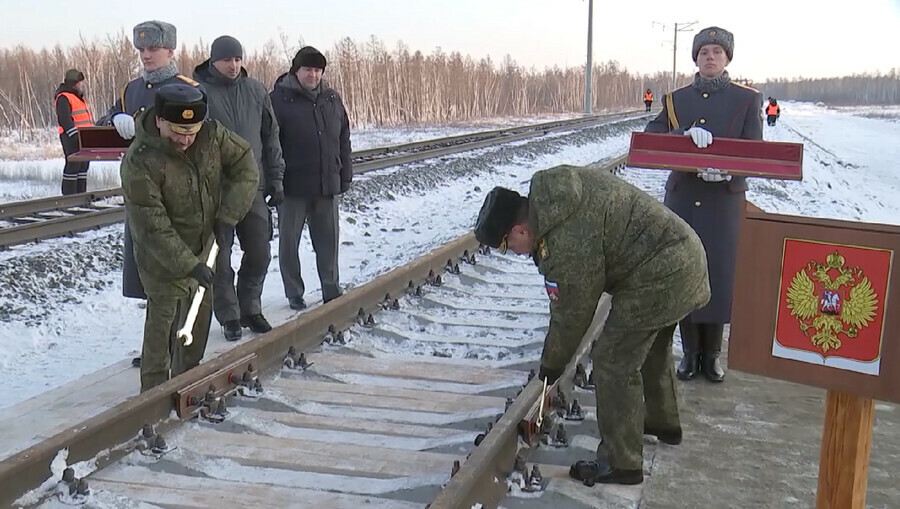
x=768 y=339
x=844 y=460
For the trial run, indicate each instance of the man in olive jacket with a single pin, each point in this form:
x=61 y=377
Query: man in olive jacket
x=590 y=232
x=183 y=179
x=242 y=105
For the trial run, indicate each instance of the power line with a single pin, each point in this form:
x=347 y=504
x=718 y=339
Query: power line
x=677 y=27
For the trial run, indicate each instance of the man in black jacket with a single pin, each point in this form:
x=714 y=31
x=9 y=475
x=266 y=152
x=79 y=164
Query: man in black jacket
x=242 y=105
x=315 y=138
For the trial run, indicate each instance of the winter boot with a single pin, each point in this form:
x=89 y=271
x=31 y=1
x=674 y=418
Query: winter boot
x=232 y=330
x=711 y=337
x=599 y=471
x=690 y=344
x=257 y=323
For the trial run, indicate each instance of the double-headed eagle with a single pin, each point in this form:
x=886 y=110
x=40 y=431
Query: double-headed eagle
x=829 y=314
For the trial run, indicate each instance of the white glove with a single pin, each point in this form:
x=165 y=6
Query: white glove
x=702 y=138
x=124 y=125
x=713 y=175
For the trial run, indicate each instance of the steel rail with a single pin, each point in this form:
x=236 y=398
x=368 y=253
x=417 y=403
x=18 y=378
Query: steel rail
x=117 y=425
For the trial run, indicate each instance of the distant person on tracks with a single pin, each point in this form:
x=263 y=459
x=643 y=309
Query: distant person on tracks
x=590 y=232
x=710 y=201
x=773 y=111
x=648 y=99
x=242 y=104
x=185 y=179
x=156 y=43
x=72 y=113
x=315 y=138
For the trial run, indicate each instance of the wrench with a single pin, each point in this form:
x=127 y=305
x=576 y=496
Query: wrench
x=186 y=332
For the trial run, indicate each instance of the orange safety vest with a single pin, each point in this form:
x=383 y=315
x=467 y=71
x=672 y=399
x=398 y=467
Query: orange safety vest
x=80 y=114
x=648 y=96
x=772 y=109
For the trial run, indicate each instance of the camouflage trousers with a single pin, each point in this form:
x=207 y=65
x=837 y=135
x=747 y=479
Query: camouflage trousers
x=635 y=387
x=164 y=356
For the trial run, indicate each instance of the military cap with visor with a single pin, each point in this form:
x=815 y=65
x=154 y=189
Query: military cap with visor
x=184 y=107
x=497 y=217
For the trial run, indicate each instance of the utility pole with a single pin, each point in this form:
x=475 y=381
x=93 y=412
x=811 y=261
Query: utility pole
x=588 y=102
x=684 y=28
x=679 y=27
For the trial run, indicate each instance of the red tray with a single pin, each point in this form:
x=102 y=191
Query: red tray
x=99 y=144
x=752 y=158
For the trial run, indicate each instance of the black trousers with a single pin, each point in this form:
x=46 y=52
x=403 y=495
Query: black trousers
x=74 y=173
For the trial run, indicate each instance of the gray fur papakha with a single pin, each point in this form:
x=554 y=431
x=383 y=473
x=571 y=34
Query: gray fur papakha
x=714 y=35
x=154 y=34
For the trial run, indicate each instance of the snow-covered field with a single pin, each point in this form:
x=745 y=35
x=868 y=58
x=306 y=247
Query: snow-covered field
x=61 y=310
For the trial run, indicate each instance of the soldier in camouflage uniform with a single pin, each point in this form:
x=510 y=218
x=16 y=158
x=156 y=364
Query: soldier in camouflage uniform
x=184 y=178
x=156 y=42
x=590 y=232
x=710 y=201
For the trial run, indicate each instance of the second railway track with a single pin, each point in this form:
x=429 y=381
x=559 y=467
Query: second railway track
x=45 y=218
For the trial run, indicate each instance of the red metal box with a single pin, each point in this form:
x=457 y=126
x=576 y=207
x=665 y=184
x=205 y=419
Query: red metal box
x=751 y=158
x=99 y=144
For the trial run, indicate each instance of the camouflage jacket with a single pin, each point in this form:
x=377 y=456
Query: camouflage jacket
x=174 y=198
x=596 y=233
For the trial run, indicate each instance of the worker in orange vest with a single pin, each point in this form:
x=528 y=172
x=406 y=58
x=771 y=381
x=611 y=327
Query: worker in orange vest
x=772 y=112
x=72 y=113
x=648 y=99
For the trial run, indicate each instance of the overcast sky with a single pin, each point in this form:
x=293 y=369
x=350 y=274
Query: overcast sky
x=785 y=38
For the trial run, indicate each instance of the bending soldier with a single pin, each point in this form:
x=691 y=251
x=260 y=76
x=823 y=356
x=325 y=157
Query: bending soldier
x=155 y=41
x=184 y=178
x=72 y=113
x=711 y=202
x=242 y=104
x=590 y=232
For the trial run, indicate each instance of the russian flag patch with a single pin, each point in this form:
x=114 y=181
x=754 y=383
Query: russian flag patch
x=552 y=290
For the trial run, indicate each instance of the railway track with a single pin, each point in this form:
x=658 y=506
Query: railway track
x=34 y=220
x=413 y=390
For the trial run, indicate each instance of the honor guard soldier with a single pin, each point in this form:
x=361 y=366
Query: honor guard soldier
x=590 y=232
x=156 y=43
x=711 y=202
x=183 y=178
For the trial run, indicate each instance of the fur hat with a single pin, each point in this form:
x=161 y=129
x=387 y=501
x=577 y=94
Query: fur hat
x=154 y=34
x=497 y=216
x=73 y=76
x=308 y=57
x=714 y=35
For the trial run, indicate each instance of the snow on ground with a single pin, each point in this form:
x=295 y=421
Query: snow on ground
x=78 y=323
x=54 y=333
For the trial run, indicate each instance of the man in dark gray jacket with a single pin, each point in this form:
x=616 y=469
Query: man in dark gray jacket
x=315 y=138
x=242 y=105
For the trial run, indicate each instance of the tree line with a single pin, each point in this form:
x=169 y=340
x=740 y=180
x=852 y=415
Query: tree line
x=380 y=86
x=856 y=90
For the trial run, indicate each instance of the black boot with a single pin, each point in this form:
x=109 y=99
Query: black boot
x=690 y=344
x=257 y=323
x=232 y=330
x=599 y=471
x=711 y=337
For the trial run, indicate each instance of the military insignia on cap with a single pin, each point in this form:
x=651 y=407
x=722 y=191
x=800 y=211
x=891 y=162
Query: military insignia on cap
x=712 y=32
x=552 y=290
x=141 y=35
x=187 y=114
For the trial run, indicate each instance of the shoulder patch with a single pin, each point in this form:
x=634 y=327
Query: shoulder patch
x=755 y=91
x=187 y=80
x=552 y=290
